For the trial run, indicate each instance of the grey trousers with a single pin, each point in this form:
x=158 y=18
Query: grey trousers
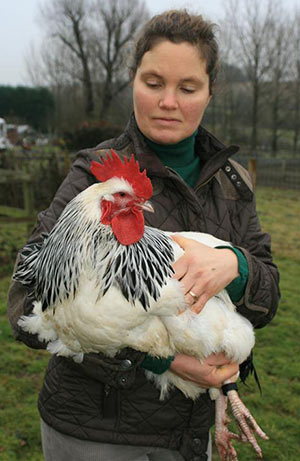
x=61 y=447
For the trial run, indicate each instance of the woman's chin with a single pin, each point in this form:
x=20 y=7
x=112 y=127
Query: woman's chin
x=166 y=138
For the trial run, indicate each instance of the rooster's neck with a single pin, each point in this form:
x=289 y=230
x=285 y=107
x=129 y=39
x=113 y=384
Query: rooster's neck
x=139 y=270
x=78 y=245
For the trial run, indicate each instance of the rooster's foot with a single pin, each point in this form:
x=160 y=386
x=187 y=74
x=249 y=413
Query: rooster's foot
x=224 y=437
x=247 y=424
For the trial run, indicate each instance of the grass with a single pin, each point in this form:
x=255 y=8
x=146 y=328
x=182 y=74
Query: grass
x=12 y=237
x=276 y=354
x=21 y=371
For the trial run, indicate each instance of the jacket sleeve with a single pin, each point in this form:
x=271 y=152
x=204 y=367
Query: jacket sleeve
x=261 y=296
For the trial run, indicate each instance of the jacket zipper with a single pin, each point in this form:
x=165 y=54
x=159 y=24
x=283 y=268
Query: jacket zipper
x=106 y=390
x=183 y=182
x=111 y=405
x=106 y=403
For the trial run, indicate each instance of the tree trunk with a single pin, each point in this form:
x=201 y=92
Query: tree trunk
x=88 y=90
x=107 y=96
x=83 y=56
x=254 y=117
x=297 y=116
x=275 y=117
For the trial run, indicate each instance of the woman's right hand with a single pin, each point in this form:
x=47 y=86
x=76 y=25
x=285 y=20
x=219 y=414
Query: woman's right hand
x=211 y=372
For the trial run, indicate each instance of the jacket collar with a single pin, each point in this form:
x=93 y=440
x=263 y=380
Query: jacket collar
x=213 y=153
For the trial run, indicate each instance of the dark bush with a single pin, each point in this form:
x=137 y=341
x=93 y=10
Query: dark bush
x=89 y=134
x=33 y=106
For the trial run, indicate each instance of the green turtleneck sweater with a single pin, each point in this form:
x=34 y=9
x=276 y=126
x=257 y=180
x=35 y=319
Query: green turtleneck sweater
x=181 y=158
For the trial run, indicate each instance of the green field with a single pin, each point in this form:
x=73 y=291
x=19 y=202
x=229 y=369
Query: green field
x=276 y=355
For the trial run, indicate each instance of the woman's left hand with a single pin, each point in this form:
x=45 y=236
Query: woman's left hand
x=203 y=271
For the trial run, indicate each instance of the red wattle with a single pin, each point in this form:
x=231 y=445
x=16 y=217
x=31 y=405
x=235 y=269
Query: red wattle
x=128 y=227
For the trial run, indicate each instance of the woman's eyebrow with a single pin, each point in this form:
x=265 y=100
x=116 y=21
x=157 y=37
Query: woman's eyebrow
x=191 y=79
x=151 y=73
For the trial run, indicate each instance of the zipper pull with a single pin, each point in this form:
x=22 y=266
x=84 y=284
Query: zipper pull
x=106 y=390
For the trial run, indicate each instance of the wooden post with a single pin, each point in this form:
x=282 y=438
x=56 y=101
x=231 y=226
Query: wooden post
x=252 y=169
x=17 y=214
x=67 y=162
x=28 y=198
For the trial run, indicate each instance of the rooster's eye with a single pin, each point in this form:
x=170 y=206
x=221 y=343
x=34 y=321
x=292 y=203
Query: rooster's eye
x=122 y=194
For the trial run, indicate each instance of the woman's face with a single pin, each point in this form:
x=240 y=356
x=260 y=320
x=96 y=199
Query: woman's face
x=170 y=92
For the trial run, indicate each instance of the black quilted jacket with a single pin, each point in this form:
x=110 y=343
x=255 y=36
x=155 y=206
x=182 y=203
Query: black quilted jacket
x=110 y=400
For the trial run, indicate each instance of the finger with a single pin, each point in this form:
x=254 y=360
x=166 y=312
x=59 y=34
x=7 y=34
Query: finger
x=200 y=304
x=187 y=283
x=218 y=359
x=234 y=378
x=180 y=268
x=190 y=298
x=183 y=242
x=225 y=372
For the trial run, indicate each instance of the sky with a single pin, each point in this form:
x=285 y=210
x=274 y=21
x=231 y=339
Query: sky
x=19 y=29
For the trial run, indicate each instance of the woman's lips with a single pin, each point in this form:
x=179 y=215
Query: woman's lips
x=166 y=121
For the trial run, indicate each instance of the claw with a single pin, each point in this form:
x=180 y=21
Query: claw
x=247 y=425
x=223 y=437
x=246 y=422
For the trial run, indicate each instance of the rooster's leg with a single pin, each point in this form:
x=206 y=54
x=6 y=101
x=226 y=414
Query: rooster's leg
x=246 y=422
x=223 y=437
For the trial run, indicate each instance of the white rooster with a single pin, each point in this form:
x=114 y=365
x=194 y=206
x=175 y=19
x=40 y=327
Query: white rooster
x=103 y=281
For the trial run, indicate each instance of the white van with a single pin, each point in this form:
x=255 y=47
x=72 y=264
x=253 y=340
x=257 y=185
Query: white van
x=3 y=131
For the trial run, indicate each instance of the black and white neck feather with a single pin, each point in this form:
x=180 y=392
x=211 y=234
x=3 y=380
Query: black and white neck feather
x=80 y=243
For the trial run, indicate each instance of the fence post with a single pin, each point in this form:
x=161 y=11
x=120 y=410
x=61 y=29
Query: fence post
x=28 y=198
x=67 y=162
x=252 y=169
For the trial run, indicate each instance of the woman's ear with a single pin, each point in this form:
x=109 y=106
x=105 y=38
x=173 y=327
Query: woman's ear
x=131 y=76
x=208 y=100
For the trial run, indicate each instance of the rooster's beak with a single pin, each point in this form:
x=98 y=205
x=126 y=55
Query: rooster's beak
x=147 y=207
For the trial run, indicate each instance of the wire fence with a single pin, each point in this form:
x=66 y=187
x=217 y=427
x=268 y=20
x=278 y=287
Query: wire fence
x=48 y=168
x=276 y=172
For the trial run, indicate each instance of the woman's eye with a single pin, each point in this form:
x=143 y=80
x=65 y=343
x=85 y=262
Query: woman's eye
x=152 y=84
x=188 y=90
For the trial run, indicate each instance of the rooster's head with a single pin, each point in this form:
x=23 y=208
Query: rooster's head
x=127 y=191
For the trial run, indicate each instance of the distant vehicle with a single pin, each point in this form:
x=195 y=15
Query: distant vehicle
x=4 y=143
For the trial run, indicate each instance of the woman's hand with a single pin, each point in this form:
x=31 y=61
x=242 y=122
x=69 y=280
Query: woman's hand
x=203 y=271
x=211 y=372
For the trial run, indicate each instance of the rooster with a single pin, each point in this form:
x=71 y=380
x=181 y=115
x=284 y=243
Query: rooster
x=102 y=281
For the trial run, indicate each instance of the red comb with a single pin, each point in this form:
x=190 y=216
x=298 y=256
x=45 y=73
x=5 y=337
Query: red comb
x=114 y=167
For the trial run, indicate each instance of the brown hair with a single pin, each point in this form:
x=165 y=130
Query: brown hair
x=179 y=26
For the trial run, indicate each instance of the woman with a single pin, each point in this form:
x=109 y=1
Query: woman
x=105 y=409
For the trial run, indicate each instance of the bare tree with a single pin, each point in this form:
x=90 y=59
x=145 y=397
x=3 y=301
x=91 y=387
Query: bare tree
x=117 y=23
x=86 y=43
x=252 y=20
x=230 y=86
x=53 y=66
x=279 y=58
x=225 y=85
x=296 y=77
x=66 y=22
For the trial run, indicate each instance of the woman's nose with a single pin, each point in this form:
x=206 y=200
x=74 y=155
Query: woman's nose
x=168 y=100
